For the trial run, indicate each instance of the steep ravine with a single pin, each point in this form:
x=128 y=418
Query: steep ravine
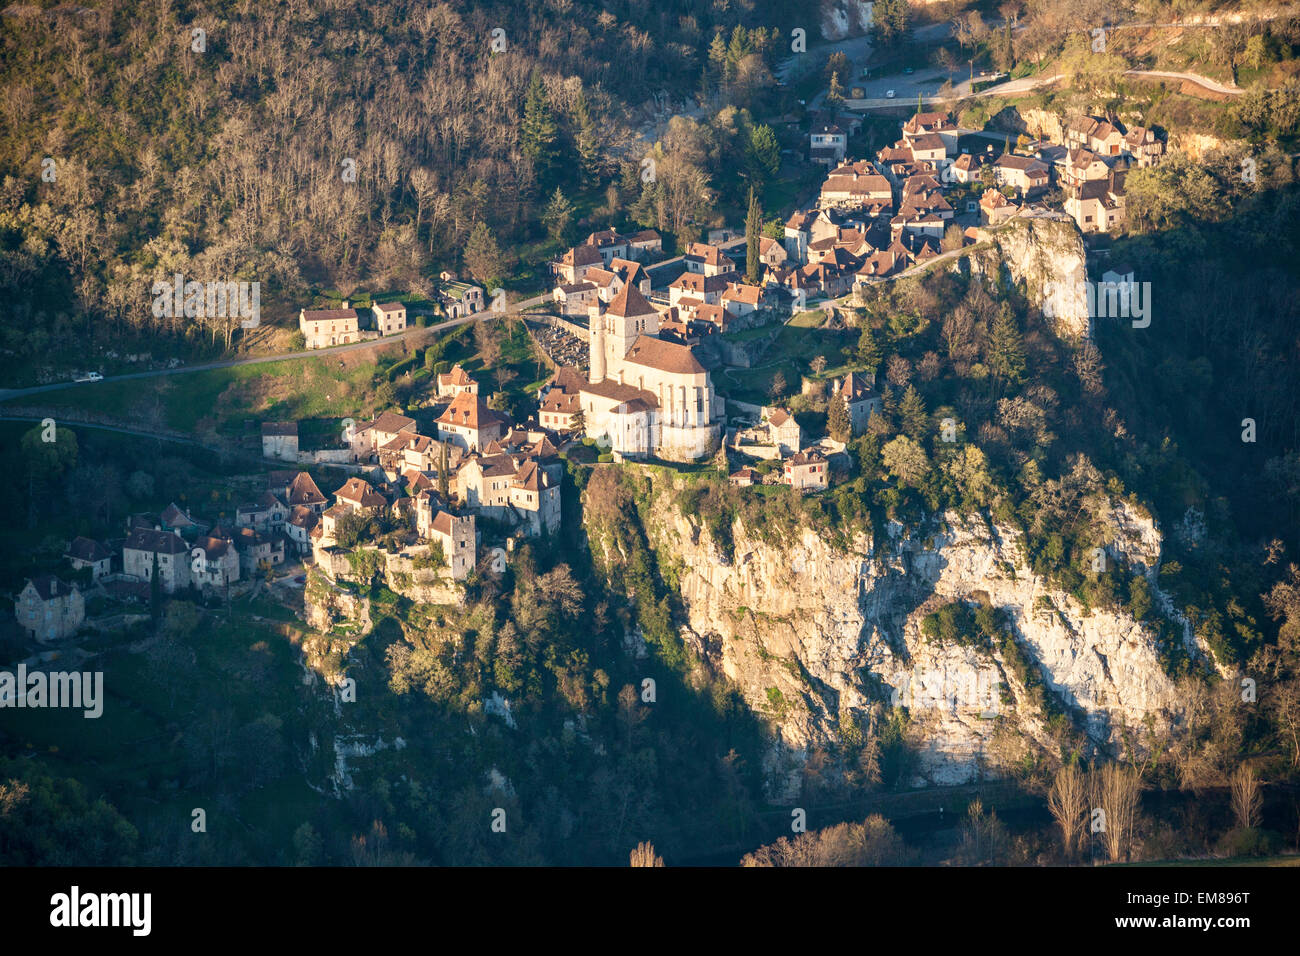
x=818 y=637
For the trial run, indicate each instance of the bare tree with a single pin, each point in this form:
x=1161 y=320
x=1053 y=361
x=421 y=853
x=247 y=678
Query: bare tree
x=1068 y=801
x=644 y=855
x=1116 y=791
x=1246 y=797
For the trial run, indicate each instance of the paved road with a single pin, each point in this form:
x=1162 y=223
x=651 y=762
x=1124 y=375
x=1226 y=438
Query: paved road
x=1196 y=78
x=514 y=308
x=1027 y=83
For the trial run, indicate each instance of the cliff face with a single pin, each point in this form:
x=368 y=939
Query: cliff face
x=1046 y=254
x=817 y=638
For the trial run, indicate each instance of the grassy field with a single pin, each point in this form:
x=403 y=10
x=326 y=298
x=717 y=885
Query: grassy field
x=322 y=388
x=219 y=399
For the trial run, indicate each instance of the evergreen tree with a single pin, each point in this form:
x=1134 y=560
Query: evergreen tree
x=838 y=422
x=835 y=95
x=753 y=232
x=558 y=215
x=443 y=466
x=889 y=21
x=868 y=350
x=739 y=47
x=762 y=153
x=915 y=420
x=1006 y=350
x=539 y=135
x=586 y=141
x=483 y=256
x=718 y=68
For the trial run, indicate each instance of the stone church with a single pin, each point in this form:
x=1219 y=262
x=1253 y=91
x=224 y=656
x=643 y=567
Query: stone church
x=643 y=396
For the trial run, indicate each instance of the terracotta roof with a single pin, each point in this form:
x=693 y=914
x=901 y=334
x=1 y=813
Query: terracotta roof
x=469 y=411
x=710 y=255
x=583 y=255
x=529 y=477
x=739 y=292
x=328 y=315
x=629 y=302
x=600 y=277
x=808 y=456
x=1026 y=164
x=928 y=141
x=457 y=376
x=88 y=549
x=303 y=491
x=49 y=587
x=442 y=523
x=779 y=417
x=174 y=516
x=664 y=356
x=212 y=548
x=159 y=542
x=303 y=517
x=389 y=306
x=359 y=491
x=389 y=422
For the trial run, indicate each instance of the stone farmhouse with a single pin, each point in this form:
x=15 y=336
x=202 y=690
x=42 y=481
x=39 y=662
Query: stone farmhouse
x=49 y=609
x=325 y=327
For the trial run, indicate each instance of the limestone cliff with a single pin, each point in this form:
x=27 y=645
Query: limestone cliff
x=818 y=637
x=1047 y=254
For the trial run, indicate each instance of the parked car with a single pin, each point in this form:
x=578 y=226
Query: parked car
x=890 y=94
x=89 y=377
x=907 y=70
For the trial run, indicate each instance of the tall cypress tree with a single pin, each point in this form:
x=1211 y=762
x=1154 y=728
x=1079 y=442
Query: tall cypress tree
x=442 y=474
x=753 y=232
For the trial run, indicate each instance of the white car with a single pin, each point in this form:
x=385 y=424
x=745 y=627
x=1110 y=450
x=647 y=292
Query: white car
x=890 y=94
x=90 y=377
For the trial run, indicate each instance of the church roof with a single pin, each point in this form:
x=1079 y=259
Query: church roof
x=664 y=356
x=629 y=302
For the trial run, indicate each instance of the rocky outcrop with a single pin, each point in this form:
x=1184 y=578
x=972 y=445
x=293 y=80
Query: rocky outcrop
x=838 y=19
x=1048 y=256
x=819 y=637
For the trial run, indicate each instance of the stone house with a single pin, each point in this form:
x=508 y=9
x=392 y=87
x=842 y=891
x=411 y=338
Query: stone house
x=469 y=423
x=89 y=553
x=171 y=552
x=214 y=562
x=455 y=533
x=280 y=440
x=806 y=471
x=390 y=317
x=451 y=384
x=49 y=609
x=325 y=327
x=784 y=431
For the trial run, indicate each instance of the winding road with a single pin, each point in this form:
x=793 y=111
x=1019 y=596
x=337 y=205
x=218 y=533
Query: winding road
x=8 y=394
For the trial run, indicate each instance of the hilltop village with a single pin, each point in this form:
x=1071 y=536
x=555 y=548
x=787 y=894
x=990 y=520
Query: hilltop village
x=634 y=341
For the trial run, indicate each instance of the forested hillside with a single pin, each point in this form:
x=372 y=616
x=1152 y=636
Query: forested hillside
x=310 y=145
